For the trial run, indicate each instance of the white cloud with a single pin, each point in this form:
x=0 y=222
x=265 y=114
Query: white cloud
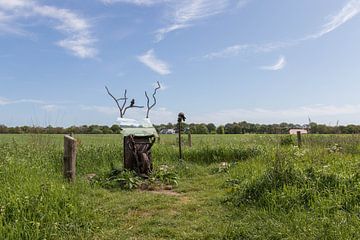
x=297 y=114
x=79 y=41
x=5 y=101
x=160 y=33
x=239 y=49
x=14 y=4
x=80 y=46
x=227 y=52
x=5 y=26
x=136 y=2
x=155 y=64
x=280 y=64
x=184 y=13
x=349 y=11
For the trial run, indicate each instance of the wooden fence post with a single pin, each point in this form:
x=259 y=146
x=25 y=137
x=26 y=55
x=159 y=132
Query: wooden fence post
x=69 y=158
x=298 y=133
x=189 y=139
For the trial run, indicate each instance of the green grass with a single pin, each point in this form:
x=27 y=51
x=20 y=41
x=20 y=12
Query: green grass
x=269 y=190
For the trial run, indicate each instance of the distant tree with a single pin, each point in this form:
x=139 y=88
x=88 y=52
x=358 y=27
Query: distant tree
x=95 y=129
x=220 y=130
x=106 y=130
x=211 y=128
x=202 y=129
x=115 y=129
x=3 y=129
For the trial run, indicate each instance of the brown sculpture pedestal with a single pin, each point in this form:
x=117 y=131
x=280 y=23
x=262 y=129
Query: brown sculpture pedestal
x=137 y=154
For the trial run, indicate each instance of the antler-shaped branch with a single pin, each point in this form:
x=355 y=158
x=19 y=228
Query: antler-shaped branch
x=122 y=108
x=132 y=105
x=148 y=100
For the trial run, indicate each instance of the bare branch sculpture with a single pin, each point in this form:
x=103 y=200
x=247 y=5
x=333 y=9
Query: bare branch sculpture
x=148 y=100
x=122 y=108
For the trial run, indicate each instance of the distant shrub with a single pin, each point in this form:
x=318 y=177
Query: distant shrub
x=230 y=153
x=287 y=141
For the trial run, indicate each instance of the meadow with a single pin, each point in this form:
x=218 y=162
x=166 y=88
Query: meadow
x=227 y=187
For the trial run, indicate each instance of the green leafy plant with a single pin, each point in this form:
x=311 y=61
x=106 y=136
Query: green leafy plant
x=123 y=179
x=165 y=175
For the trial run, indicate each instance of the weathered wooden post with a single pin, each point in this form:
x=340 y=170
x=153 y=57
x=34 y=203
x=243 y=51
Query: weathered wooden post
x=69 y=158
x=181 y=117
x=189 y=139
x=298 y=133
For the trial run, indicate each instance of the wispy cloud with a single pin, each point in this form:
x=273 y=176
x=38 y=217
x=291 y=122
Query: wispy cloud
x=280 y=64
x=136 y=2
x=5 y=101
x=239 y=49
x=79 y=40
x=228 y=52
x=349 y=11
x=44 y=105
x=296 y=114
x=155 y=64
x=184 y=13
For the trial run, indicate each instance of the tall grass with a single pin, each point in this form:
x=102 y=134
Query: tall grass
x=270 y=190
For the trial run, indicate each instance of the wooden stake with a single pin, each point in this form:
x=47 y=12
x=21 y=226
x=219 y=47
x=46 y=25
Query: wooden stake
x=298 y=133
x=69 y=158
x=189 y=139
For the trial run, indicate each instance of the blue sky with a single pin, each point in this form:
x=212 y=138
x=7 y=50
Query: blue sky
x=217 y=60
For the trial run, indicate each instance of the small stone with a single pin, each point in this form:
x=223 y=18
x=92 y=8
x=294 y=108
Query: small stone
x=168 y=187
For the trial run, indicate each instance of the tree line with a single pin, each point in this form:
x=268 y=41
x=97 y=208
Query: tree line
x=202 y=128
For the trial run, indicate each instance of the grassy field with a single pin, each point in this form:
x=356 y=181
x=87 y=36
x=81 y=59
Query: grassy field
x=229 y=187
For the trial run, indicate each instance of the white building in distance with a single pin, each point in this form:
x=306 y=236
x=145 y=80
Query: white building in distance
x=294 y=131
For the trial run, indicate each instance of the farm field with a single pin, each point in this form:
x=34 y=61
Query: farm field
x=227 y=187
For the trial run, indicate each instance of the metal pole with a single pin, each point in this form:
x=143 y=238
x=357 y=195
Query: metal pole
x=181 y=117
x=179 y=129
